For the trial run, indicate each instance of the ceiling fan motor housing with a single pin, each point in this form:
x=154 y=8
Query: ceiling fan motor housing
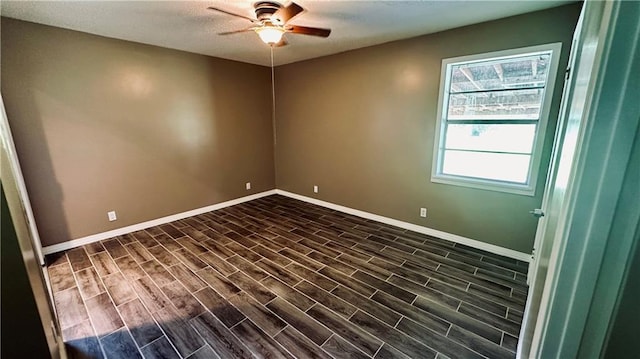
x=264 y=9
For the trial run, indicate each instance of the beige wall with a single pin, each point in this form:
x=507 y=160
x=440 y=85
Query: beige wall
x=102 y=124
x=360 y=125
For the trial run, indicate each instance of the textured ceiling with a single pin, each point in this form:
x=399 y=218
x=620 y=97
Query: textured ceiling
x=189 y=26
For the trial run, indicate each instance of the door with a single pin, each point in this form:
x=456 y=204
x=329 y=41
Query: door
x=578 y=87
x=28 y=238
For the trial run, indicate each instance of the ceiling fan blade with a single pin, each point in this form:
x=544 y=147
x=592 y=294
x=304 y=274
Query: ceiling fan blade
x=314 y=31
x=235 y=32
x=286 y=13
x=231 y=13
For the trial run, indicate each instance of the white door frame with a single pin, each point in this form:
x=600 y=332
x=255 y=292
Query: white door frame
x=28 y=239
x=587 y=264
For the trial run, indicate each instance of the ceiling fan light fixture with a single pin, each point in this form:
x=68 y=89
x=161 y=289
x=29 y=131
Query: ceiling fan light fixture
x=270 y=35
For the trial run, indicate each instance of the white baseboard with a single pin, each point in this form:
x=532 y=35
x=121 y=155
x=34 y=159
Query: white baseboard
x=492 y=248
x=155 y=222
x=394 y=222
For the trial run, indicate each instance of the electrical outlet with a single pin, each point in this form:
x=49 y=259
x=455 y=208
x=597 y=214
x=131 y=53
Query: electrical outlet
x=248 y=185
x=315 y=189
x=423 y=212
x=112 y=216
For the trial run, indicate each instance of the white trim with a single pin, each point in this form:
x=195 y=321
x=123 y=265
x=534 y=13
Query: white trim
x=492 y=248
x=16 y=171
x=394 y=222
x=526 y=189
x=155 y=222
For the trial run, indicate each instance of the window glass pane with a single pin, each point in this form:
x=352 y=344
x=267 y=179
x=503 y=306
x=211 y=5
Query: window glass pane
x=498 y=138
x=499 y=105
x=493 y=166
x=509 y=73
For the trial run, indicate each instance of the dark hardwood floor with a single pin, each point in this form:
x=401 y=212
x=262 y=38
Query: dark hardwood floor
x=280 y=278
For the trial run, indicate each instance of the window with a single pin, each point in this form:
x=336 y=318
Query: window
x=492 y=115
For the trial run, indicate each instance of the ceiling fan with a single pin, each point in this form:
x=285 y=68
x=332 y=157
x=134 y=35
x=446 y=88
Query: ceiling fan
x=271 y=22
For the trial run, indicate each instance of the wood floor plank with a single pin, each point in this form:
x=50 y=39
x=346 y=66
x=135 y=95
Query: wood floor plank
x=140 y=323
x=359 y=287
x=93 y=248
x=189 y=259
x=171 y=230
x=191 y=245
x=327 y=299
x=157 y=272
x=400 y=271
x=348 y=330
x=435 y=341
x=426 y=319
x=180 y=333
x=89 y=283
x=389 y=288
x=55 y=259
x=248 y=268
x=276 y=277
x=186 y=304
x=258 y=313
x=288 y=293
x=313 y=277
x=104 y=264
x=187 y=277
x=167 y=242
x=389 y=352
x=61 y=277
x=115 y=249
x=119 y=345
x=224 y=343
x=459 y=319
x=129 y=267
x=393 y=337
x=81 y=341
x=341 y=349
x=305 y=324
x=300 y=259
x=223 y=267
x=78 y=258
x=253 y=288
x=220 y=307
x=163 y=256
x=103 y=314
x=370 y=306
x=218 y=282
x=71 y=308
x=262 y=345
x=152 y=297
x=119 y=288
x=219 y=249
x=138 y=252
x=331 y=262
x=278 y=271
x=300 y=346
x=145 y=239
x=479 y=344
x=204 y=353
x=160 y=349
x=496 y=321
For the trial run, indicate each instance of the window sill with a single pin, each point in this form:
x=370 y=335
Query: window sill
x=523 y=190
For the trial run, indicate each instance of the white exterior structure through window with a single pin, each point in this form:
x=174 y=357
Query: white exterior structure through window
x=492 y=115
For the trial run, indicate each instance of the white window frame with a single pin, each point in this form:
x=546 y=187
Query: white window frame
x=527 y=188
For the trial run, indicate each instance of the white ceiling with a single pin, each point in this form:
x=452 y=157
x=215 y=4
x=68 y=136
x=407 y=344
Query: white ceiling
x=189 y=26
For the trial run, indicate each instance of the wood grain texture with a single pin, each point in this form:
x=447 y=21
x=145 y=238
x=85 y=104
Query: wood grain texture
x=278 y=278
